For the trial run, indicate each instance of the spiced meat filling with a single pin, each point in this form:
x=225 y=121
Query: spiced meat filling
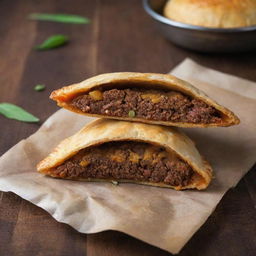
x=126 y=160
x=155 y=105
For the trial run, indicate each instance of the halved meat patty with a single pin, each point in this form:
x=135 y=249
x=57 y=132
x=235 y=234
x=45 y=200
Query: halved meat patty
x=144 y=97
x=107 y=150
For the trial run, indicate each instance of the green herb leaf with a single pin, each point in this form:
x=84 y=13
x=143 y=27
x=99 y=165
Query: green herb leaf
x=52 y=42
x=14 y=112
x=114 y=182
x=131 y=113
x=39 y=87
x=64 y=18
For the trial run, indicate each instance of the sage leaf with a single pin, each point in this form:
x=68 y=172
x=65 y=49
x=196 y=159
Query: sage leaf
x=39 y=87
x=14 y=112
x=58 y=17
x=52 y=42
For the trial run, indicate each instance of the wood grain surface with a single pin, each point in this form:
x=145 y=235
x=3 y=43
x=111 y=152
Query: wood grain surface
x=121 y=37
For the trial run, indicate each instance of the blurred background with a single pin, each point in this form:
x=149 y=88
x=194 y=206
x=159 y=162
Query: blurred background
x=120 y=37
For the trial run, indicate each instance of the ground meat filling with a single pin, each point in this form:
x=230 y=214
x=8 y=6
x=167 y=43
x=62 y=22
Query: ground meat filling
x=148 y=104
x=134 y=161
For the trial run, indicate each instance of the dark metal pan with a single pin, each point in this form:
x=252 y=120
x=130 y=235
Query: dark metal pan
x=201 y=38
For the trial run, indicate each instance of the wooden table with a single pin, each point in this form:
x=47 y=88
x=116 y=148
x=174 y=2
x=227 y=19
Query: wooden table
x=120 y=38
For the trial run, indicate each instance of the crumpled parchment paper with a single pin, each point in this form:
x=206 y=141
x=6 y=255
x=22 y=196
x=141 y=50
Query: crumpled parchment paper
x=159 y=216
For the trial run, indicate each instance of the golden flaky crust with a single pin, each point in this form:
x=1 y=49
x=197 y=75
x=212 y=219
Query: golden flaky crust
x=106 y=130
x=136 y=80
x=212 y=13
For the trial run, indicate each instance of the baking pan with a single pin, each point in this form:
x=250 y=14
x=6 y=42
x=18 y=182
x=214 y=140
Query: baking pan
x=201 y=38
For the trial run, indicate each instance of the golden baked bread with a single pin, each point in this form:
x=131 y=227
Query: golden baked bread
x=212 y=13
x=120 y=151
x=144 y=97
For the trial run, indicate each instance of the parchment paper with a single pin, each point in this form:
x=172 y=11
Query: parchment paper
x=162 y=217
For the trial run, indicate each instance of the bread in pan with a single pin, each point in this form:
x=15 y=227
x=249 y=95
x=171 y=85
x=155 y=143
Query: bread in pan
x=212 y=13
